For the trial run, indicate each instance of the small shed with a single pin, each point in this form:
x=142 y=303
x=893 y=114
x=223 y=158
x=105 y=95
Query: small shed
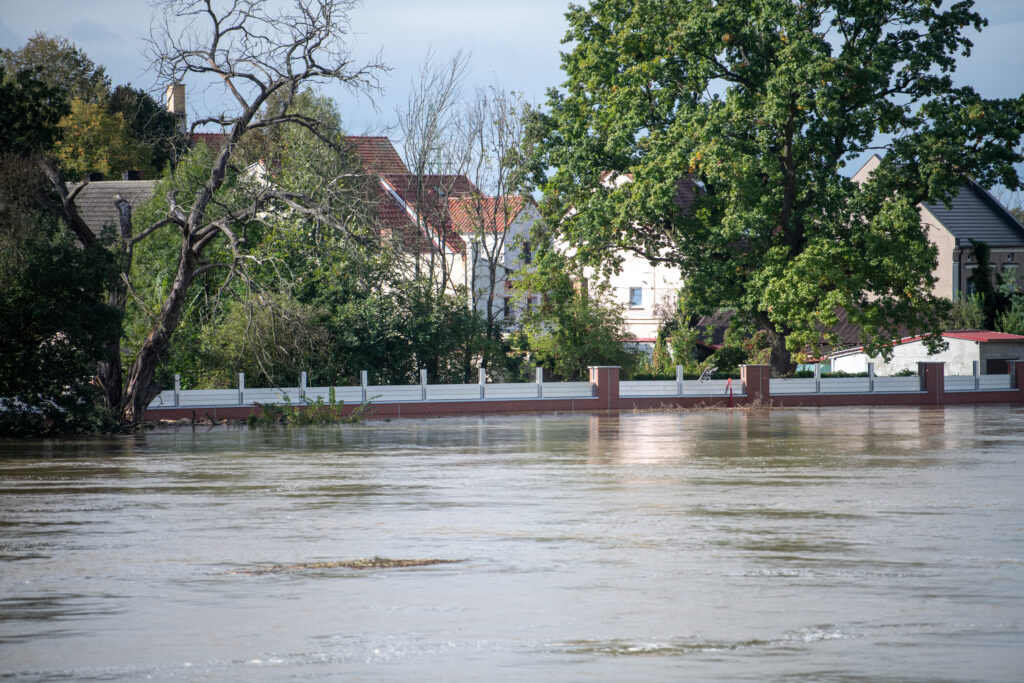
x=992 y=350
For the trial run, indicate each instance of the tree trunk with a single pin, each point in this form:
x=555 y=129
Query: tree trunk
x=139 y=387
x=781 y=360
x=108 y=374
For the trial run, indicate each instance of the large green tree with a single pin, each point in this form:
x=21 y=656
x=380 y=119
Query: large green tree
x=61 y=65
x=755 y=110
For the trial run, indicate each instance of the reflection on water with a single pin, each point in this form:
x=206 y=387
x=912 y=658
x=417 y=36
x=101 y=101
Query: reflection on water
x=835 y=544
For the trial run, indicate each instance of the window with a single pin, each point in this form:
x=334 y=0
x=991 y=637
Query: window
x=636 y=297
x=506 y=309
x=527 y=256
x=969 y=281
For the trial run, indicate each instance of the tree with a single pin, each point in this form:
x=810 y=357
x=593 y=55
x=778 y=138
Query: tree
x=735 y=122
x=30 y=112
x=60 y=65
x=94 y=140
x=150 y=123
x=576 y=324
x=255 y=53
x=53 y=329
x=437 y=154
x=499 y=167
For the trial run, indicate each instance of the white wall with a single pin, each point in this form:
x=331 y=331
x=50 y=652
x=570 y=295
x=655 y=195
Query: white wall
x=510 y=258
x=959 y=359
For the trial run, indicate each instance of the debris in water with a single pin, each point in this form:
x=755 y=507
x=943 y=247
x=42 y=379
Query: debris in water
x=362 y=563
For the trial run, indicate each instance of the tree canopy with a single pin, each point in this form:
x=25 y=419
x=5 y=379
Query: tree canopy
x=717 y=136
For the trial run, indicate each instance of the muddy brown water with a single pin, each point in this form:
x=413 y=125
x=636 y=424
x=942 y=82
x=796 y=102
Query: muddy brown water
x=797 y=545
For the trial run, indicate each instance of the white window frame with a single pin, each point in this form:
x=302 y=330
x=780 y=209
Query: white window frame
x=639 y=302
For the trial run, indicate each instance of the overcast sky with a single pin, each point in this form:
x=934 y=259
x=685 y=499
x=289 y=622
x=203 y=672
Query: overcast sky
x=514 y=44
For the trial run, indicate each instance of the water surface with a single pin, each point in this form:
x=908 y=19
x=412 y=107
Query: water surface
x=873 y=544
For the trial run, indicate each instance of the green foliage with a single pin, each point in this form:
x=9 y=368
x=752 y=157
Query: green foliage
x=61 y=65
x=763 y=105
x=1011 y=320
x=93 y=139
x=966 y=313
x=53 y=326
x=992 y=302
x=150 y=124
x=29 y=112
x=575 y=326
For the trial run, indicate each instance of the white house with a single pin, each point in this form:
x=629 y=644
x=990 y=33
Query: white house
x=497 y=231
x=992 y=350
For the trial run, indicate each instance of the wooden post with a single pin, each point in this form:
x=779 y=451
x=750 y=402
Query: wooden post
x=177 y=390
x=423 y=384
x=363 y=381
x=871 y=378
x=302 y=386
x=976 y=370
x=817 y=378
x=679 y=380
x=482 y=379
x=540 y=382
x=241 y=388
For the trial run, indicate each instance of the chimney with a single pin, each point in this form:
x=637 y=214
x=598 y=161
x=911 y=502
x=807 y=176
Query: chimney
x=176 y=103
x=131 y=175
x=94 y=176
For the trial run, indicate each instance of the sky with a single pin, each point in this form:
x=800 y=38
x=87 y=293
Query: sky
x=515 y=45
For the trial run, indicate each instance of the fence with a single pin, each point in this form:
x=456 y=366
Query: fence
x=605 y=391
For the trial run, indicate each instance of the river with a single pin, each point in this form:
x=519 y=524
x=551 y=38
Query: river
x=854 y=544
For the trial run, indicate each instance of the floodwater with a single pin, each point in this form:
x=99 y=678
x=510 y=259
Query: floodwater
x=874 y=544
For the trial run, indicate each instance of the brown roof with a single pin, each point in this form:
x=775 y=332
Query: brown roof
x=95 y=202
x=488 y=214
x=377 y=154
x=214 y=141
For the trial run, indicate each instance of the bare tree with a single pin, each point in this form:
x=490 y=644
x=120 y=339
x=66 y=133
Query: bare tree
x=437 y=155
x=257 y=56
x=496 y=131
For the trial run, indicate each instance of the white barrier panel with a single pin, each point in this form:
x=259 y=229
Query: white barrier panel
x=383 y=394
x=567 y=390
x=346 y=394
x=897 y=385
x=637 y=388
x=165 y=399
x=453 y=392
x=993 y=382
x=209 y=397
x=712 y=387
x=265 y=396
x=788 y=386
x=845 y=385
x=960 y=383
x=512 y=391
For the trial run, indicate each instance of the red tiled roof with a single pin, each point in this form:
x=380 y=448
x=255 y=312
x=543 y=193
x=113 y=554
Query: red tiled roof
x=377 y=154
x=983 y=336
x=488 y=214
x=402 y=210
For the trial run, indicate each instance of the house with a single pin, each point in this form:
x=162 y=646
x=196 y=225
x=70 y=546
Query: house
x=645 y=290
x=444 y=222
x=974 y=215
x=993 y=351
x=497 y=230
